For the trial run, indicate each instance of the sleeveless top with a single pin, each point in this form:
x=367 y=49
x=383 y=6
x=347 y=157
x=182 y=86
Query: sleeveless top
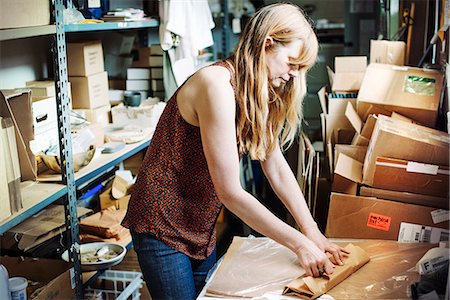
x=174 y=197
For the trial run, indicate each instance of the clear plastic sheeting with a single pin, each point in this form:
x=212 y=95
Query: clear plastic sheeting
x=253 y=267
x=420 y=85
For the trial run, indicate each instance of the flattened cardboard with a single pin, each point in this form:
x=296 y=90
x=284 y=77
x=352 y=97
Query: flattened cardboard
x=387 y=52
x=405 y=197
x=41 y=227
x=406 y=176
x=14 y=103
x=371 y=218
x=349 y=73
x=412 y=92
x=397 y=139
x=347 y=175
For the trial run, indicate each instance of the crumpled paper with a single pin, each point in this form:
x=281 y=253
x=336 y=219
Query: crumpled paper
x=308 y=287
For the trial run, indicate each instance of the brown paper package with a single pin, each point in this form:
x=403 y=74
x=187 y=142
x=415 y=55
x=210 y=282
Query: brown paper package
x=307 y=287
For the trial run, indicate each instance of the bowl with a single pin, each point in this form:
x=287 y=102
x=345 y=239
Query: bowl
x=94 y=257
x=79 y=160
x=132 y=98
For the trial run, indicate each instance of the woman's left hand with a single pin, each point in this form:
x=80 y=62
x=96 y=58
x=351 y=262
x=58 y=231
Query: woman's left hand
x=325 y=245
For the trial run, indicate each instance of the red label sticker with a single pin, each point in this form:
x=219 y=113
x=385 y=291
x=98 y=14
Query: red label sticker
x=379 y=221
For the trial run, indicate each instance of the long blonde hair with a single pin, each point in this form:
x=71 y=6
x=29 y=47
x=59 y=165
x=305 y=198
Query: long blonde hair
x=266 y=115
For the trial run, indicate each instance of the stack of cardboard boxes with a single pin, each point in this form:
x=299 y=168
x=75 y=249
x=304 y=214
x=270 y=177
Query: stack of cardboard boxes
x=89 y=82
x=389 y=166
x=151 y=58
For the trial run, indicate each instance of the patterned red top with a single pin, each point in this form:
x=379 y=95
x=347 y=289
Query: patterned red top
x=174 y=197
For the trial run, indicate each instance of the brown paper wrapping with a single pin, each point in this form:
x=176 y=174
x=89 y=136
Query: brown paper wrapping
x=105 y=223
x=308 y=287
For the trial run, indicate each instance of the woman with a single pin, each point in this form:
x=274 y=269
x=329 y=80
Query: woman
x=250 y=103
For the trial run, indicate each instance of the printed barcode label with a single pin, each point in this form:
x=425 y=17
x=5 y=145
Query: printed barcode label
x=379 y=222
x=443 y=236
x=417 y=237
x=426 y=238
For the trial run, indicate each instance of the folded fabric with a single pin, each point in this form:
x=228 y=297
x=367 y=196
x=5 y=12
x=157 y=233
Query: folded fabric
x=308 y=287
x=105 y=223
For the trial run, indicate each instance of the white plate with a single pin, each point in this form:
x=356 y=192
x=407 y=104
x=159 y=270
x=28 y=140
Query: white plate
x=94 y=247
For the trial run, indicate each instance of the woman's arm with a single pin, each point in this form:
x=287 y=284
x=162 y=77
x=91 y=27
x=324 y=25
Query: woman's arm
x=215 y=110
x=285 y=185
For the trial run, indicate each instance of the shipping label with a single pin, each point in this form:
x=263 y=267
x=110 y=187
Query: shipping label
x=379 y=222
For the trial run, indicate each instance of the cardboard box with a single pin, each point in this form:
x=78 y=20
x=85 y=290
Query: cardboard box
x=91 y=91
x=335 y=119
x=16 y=104
x=107 y=200
x=156 y=73
x=371 y=218
x=363 y=130
x=45 y=123
x=50 y=276
x=348 y=73
x=99 y=115
x=405 y=197
x=85 y=58
x=149 y=61
x=358 y=153
x=347 y=175
x=408 y=176
x=138 y=73
x=401 y=140
x=387 y=52
x=154 y=49
x=117 y=84
x=412 y=92
x=45 y=88
x=24 y=13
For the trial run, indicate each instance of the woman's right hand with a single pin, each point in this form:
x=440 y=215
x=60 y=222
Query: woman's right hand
x=313 y=260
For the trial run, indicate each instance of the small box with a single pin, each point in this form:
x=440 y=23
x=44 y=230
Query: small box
x=347 y=175
x=117 y=84
x=157 y=85
x=138 y=73
x=25 y=13
x=45 y=88
x=371 y=218
x=99 y=115
x=107 y=200
x=156 y=73
x=91 y=91
x=44 y=114
x=85 y=58
x=412 y=92
x=387 y=52
x=349 y=73
x=138 y=85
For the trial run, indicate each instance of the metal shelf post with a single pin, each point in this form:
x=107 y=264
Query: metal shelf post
x=65 y=144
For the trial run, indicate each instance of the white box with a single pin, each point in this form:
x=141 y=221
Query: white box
x=138 y=85
x=138 y=73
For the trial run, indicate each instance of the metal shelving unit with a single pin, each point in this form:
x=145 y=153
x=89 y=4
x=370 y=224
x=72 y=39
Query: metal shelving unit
x=51 y=192
x=111 y=26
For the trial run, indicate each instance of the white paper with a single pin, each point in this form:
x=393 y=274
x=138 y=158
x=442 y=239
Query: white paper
x=440 y=215
x=422 y=168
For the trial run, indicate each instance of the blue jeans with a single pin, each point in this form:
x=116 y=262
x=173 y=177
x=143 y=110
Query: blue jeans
x=169 y=273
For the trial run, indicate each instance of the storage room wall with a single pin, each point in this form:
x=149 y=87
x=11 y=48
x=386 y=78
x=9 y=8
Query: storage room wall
x=24 y=60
